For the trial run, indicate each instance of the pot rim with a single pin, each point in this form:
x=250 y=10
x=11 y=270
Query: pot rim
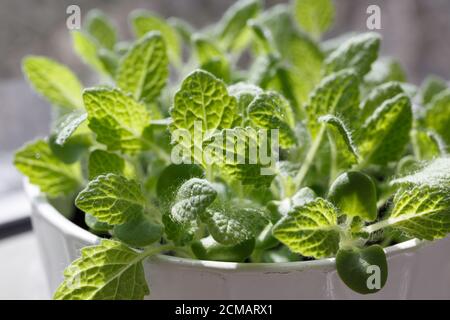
x=55 y=218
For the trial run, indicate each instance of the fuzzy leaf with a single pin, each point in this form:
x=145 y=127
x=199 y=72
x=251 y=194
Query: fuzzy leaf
x=385 y=70
x=192 y=199
x=422 y=212
x=54 y=81
x=271 y=111
x=314 y=16
x=376 y=98
x=337 y=94
x=69 y=125
x=385 y=133
x=358 y=53
x=144 y=69
x=112 y=199
x=144 y=21
x=44 y=169
x=310 y=230
x=436 y=173
x=431 y=87
x=342 y=141
x=107 y=271
x=116 y=118
x=233 y=225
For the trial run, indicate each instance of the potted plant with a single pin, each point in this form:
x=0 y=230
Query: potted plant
x=303 y=173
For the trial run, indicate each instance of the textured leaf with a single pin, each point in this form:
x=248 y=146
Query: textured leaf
x=376 y=98
x=144 y=69
x=192 y=199
x=385 y=70
x=310 y=230
x=314 y=16
x=422 y=212
x=116 y=118
x=437 y=116
x=428 y=145
x=87 y=49
x=108 y=271
x=144 y=21
x=69 y=125
x=211 y=58
x=54 y=81
x=342 y=141
x=244 y=94
x=102 y=162
x=233 y=225
x=45 y=170
x=101 y=29
x=240 y=154
x=385 y=133
x=112 y=199
x=233 y=31
x=204 y=98
x=358 y=53
x=337 y=94
x=271 y=111
x=431 y=87
x=436 y=173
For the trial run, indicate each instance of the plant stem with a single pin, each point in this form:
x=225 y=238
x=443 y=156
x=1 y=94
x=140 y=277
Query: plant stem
x=151 y=251
x=301 y=175
x=377 y=226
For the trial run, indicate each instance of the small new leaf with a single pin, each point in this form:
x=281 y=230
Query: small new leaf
x=144 y=69
x=310 y=230
x=44 y=169
x=108 y=271
x=101 y=29
x=112 y=199
x=116 y=118
x=69 y=125
x=54 y=81
x=87 y=49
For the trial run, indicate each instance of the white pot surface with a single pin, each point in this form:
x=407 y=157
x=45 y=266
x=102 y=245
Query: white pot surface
x=417 y=269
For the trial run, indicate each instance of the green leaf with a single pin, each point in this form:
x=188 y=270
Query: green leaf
x=437 y=115
x=203 y=98
x=211 y=58
x=384 y=70
x=144 y=69
x=356 y=268
x=233 y=31
x=69 y=125
x=239 y=153
x=244 y=94
x=310 y=230
x=341 y=139
x=337 y=94
x=428 y=145
x=144 y=21
x=87 y=49
x=192 y=199
x=101 y=29
x=230 y=225
x=314 y=16
x=355 y=194
x=271 y=111
x=385 y=134
x=432 y=86
x=377 y=96
x=140 y=231
x=209 y=249
x=358 y=53
x=116 y=118
x=422 y=212
x=112 y=199
x=45 y=170
x=434 y=174
x=102 y=162
x=54 y=81
x=108 y=271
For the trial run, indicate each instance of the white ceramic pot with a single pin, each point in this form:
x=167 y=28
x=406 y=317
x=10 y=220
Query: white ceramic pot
x=417 y=270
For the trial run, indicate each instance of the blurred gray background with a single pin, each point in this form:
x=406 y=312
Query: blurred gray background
x=417 y=32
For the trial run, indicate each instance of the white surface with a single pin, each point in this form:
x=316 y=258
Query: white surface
x=21 y=272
